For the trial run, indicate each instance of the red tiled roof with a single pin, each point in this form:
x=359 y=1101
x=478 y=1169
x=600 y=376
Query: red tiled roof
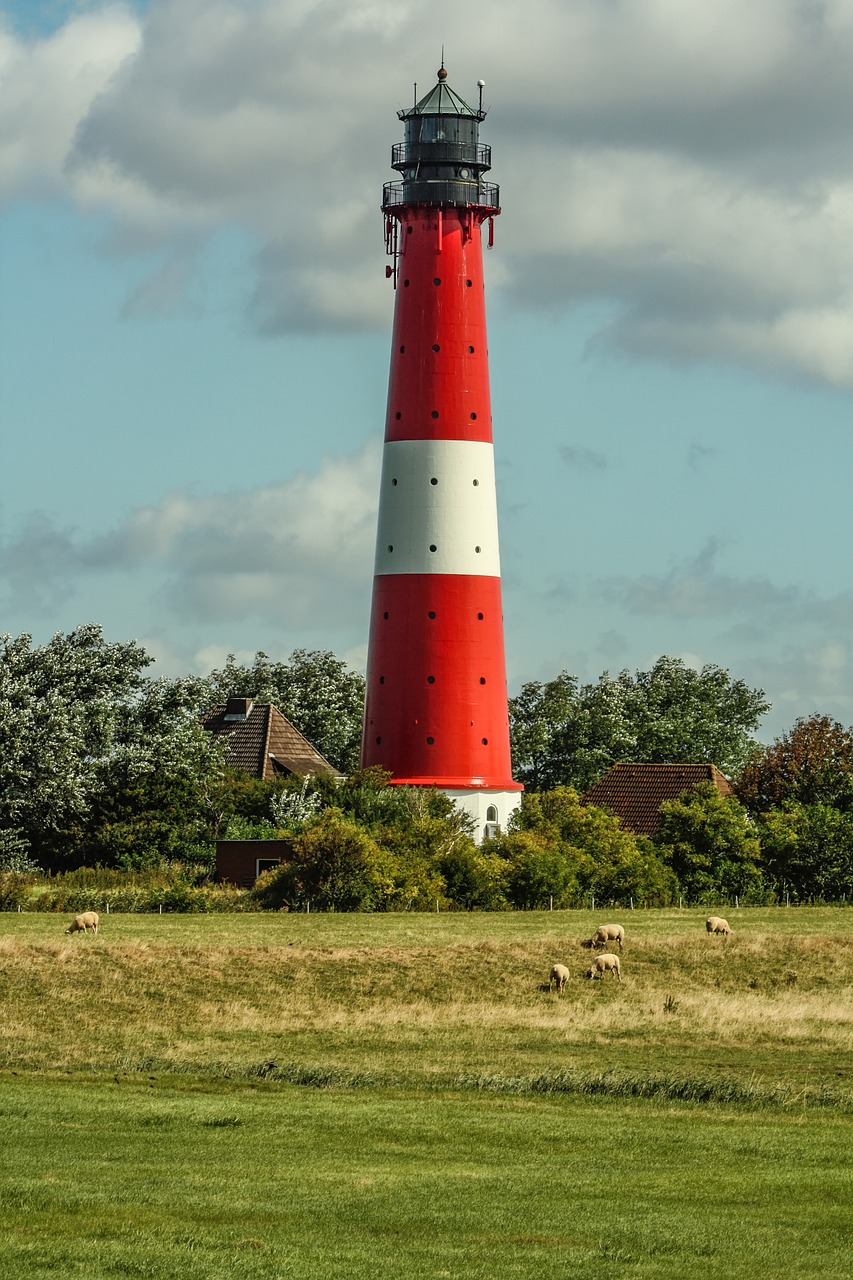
x=264 y=743
x=635 y=792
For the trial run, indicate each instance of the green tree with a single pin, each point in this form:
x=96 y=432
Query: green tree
x=537 y=715
x=475 y=878
x=808 y=850
x=608 y=862
x=317 y=692
x=154 y=793
x=337 y=866
x=539 y=871
x=810 y=764
x=708 y=841
x=565 y=734
x=59 y=704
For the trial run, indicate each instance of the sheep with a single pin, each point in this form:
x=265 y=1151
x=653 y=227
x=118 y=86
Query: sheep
x=607 y=933
x=606 y=963
x=83 y=922
x=716 y=924
x=558 y=978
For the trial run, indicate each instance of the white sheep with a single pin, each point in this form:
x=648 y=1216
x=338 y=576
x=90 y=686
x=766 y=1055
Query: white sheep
x=716 y=924
x=606 y=963
x=85 y=921
x=608 y=933
x=558 y=978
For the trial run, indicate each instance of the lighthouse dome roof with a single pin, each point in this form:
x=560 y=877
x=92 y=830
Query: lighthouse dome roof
x=442 y=101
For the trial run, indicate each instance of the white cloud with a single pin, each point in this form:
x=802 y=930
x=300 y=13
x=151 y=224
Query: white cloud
x=48 y=86
x=688 y=163
x=297 y=551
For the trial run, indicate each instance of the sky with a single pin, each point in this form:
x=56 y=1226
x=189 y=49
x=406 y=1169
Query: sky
x=195 y=325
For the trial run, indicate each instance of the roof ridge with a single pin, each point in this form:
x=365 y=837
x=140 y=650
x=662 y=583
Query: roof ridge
x=266 y=751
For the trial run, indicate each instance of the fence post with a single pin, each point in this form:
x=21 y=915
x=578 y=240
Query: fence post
x=552 y=902
x=593 y=904
x=737 y=903
x=161 y=908
x=632 y=904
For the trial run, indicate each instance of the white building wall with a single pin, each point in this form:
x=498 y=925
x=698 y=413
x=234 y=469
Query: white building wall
x=478 y=804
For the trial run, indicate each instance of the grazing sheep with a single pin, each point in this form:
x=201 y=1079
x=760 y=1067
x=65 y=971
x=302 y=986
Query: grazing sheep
x=716 y=924
x=85 y=921
x=606 y=963
x=607 y=933
x=558 y=978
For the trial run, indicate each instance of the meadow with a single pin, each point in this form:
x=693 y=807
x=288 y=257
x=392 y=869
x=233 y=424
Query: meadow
x=401 y=1095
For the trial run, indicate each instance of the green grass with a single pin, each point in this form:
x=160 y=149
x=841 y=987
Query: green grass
x=400 y=1096
x=206 y=1182
x=403 y=929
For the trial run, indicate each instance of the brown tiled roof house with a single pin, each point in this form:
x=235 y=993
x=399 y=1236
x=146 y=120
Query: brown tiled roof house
x=262 y=741
x=635 y=792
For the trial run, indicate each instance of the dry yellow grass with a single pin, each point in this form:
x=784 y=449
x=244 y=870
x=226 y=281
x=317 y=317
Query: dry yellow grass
x=768 y=1003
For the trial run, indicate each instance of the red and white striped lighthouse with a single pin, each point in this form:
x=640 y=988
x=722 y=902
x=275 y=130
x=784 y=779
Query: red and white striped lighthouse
x=436 y=706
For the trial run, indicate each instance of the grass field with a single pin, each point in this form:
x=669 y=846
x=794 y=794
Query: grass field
x=472 y=1124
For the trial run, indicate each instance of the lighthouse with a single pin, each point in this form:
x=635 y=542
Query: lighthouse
x=436 y=703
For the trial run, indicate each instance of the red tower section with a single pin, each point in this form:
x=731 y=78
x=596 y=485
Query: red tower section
x=436 y=708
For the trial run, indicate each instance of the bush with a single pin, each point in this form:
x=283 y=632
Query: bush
x=537 y=871
x=15 y=889
x=610 y=863
x=709 y=843
x=103 y=890
x=475 y=879
x=336 y=866
x=808 y=851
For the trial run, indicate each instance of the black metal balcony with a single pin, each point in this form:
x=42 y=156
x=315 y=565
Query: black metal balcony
x=404 y=154
x=441 y=191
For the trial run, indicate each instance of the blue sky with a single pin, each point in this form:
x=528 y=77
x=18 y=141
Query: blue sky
x=194 y=326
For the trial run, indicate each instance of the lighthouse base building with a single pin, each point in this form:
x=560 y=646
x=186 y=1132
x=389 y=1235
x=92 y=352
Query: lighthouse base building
x=436 y=706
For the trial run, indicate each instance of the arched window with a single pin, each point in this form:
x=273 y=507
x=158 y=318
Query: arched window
x=492 y=813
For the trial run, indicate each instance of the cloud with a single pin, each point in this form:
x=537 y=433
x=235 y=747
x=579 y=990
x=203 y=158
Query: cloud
x=806 y=678
x=695 y=589
x=753 y=608
x=699 y=453
x=34 y=565
x=49 y=86
x=581 y=459
x=687 y=164
x=296 y=552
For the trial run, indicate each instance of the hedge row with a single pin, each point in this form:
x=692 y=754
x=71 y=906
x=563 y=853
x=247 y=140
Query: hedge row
x=21 y=892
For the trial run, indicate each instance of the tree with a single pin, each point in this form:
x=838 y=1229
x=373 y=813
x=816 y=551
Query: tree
x=58 y=709
x=538 y=872
x=607 y=862
x=565 y=734
x=154 y=794
x=317 y=692
x=337 y=866
x=537 y=715
x=808 y=850
x=810 y=764
x=709 y=843
x=474 y=878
